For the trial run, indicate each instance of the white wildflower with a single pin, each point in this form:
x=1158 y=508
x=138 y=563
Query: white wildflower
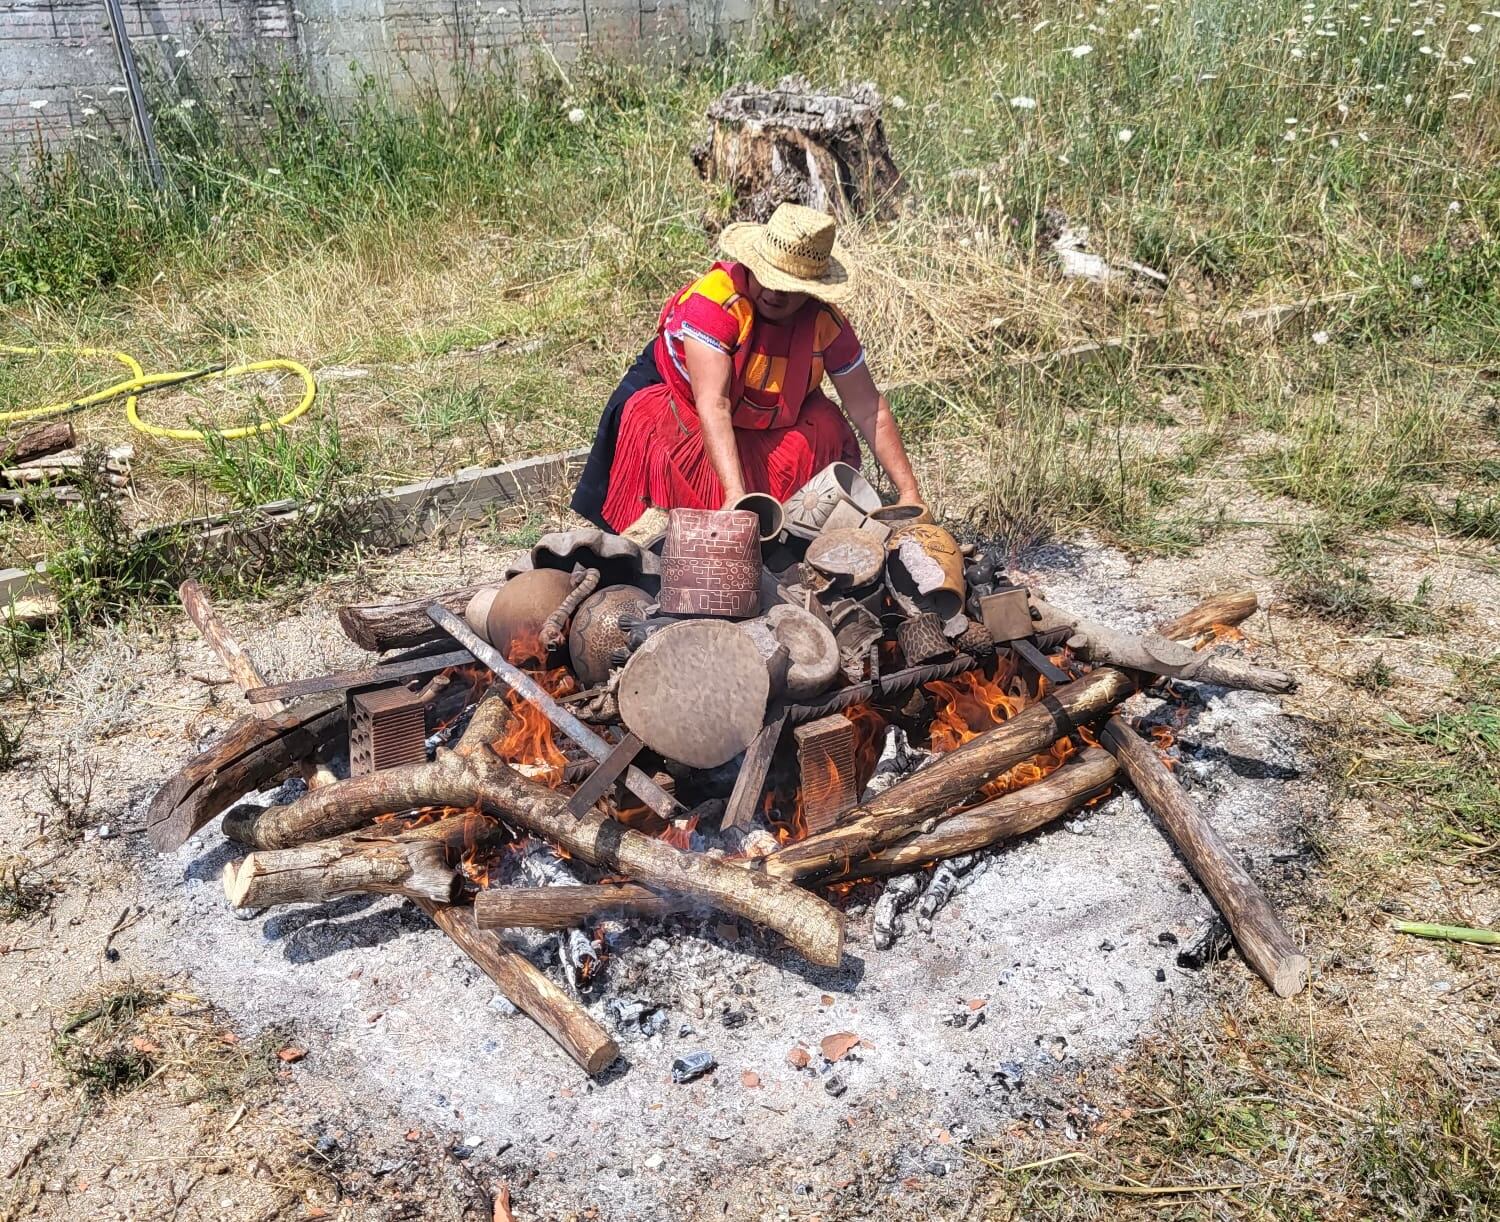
x=1333 y=142
x=1080 y=50
x=1474 y=27
x=1419 y=282
x=1134 y=35
x=89 y=110
x=181 y=54
x=898 y=102
x=1290 y=136
x=1425 y=49
x=1365 y=136
x=1320 y=338
x=1124 y=135
x=39 y=104
x=189 y=103
x=577 y=115
x=1453 y=207
x=1023 y=103
x=1468 y=60
x=1298 y=52
x=1344 y=109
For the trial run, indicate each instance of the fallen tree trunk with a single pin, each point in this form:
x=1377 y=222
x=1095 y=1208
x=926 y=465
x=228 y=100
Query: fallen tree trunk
x=38 y=442
x=381 y=626
x=528 y=988
x=1008 y=816
x=473 y=776
x=1156 y=655
x=1258 y=931
x=568 y=907
x=415 y=862
x=1222 y=610
x=951 y=779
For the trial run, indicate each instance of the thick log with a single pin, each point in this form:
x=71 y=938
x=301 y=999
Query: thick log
x=415 y=862
x=249 y=756
x=568 y=907
x=1156 y=655
x=950 y=780
x=528 y=989
x=1258 y=931
x=474 y=776
x=381 y=626
x=38 y=442
x=981 y=827
x=1224 y=610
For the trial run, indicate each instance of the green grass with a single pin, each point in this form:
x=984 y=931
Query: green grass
x=1320 y=576
x=96 y=1048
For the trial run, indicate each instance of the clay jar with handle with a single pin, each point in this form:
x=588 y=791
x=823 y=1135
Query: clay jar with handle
x=808 y=508
x=710 y=563
x=925 y=571
x=511 y=616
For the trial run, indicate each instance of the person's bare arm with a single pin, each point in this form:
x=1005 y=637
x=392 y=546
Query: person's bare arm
x=869 y=412
x=711 y=373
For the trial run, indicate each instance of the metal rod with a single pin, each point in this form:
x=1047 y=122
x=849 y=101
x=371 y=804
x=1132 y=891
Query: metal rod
x=652 y=794
x=138 y=111
x=893 y=684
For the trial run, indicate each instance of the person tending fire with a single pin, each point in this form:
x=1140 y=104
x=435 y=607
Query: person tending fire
x=728 y=399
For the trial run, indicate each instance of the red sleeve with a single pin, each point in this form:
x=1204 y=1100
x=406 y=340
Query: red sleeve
x=843 y=353
x=706 y=321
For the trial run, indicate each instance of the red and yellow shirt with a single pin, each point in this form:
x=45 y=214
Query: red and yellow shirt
x=715 y=310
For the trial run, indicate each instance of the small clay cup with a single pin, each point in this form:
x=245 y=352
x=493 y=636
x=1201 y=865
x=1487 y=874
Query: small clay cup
x=766 y=508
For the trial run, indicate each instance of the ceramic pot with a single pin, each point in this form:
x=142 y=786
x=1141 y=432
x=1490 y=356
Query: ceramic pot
x=897 y=517
x=808 y=508
x=922 y=640
x=511 y=616
x=848 y=559
x=711 y=563
x=925 y=571
x=596 y=635
x=767 y=509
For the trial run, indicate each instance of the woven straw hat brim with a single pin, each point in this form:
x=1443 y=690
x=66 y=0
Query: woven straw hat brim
x=741 y=241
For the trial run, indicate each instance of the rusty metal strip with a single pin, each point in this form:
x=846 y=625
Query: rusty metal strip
x=605 y=775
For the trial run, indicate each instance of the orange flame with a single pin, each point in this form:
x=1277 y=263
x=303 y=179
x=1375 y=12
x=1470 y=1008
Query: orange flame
x=869 y=737
x=1218 y=634
x=529 y=738
x=786 y=825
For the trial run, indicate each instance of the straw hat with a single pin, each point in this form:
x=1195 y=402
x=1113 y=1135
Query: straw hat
x=795 y=252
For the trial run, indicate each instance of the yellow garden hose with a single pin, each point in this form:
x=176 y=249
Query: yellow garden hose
x=140 y=381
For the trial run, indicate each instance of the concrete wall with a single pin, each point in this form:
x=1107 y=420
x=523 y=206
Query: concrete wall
x=59 y=77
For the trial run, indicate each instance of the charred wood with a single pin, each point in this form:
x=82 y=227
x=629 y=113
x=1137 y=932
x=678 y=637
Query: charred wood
x=381 y=626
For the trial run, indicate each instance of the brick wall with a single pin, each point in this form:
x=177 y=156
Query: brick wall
x=59 y=78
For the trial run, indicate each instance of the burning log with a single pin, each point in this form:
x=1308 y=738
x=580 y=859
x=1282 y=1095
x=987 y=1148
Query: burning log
x=928 y=794
x=1006 y=817
x=1261 y=937
x=557 y=908
x=381 y=626
x=1221 y=611
x=528 y=988
x=1156 y=655
x=473 y=776
x=415 y=862
x=38 y=443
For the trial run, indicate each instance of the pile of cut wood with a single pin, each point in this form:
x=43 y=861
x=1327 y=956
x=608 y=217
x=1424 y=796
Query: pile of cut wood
x=431 y=773
x=43 y=465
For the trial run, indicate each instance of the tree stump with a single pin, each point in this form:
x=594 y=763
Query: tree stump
x=793 y=145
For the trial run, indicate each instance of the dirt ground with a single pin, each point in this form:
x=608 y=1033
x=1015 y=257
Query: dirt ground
x=346 y=1061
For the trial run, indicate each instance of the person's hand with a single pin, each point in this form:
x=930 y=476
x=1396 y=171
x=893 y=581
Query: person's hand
x=732 y=493
x=910 y=496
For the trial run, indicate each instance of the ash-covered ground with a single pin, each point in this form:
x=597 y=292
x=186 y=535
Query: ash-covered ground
x=1059 y=953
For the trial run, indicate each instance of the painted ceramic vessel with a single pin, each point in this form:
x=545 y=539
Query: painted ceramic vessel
x=808 y=508
x=711 y=563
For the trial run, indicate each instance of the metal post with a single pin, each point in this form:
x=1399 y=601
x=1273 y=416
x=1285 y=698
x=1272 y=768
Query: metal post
x=138 y=110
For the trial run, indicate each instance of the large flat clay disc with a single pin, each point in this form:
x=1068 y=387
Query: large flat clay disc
x=850 y=557
x=695 y=692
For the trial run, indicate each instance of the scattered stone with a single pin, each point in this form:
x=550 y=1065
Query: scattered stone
x=835 y=1084
x=837 y=1046
x=799 y=1058
x=1161 y=975
x=1166 y=938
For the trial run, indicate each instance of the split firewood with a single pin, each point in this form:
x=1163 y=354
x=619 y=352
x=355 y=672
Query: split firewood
x=37 y=442
x=394 y=859
x=381 y=626
x=1014 y=814
x=1220 y=611
x=1156 y=655
x=242 y=670
x=557 y=908
x=1258 y=931
x=951 y=779
x=528 y=988
x=472 y=775
x=33 y=498
x=114 y=466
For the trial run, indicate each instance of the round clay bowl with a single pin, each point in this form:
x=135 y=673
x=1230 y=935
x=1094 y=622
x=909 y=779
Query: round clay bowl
x=695 y=692
x=814 y=652
x=511 y=617
x=848 y=558
x=767 y=509
x=897 y=517
x=596 y=633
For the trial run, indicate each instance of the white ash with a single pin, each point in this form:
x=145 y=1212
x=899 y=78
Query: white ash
x=900 y=893
x=1056 y=944
x=947 y=879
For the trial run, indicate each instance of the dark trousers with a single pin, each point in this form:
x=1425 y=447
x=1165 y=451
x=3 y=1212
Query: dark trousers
x=593 y=484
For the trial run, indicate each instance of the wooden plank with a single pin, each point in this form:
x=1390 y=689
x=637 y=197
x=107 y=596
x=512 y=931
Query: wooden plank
x=753 y=772
x=340 y=681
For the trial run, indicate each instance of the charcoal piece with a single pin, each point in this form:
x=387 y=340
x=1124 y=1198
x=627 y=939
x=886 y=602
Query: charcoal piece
x=692 y=1065
x=1209 y=943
